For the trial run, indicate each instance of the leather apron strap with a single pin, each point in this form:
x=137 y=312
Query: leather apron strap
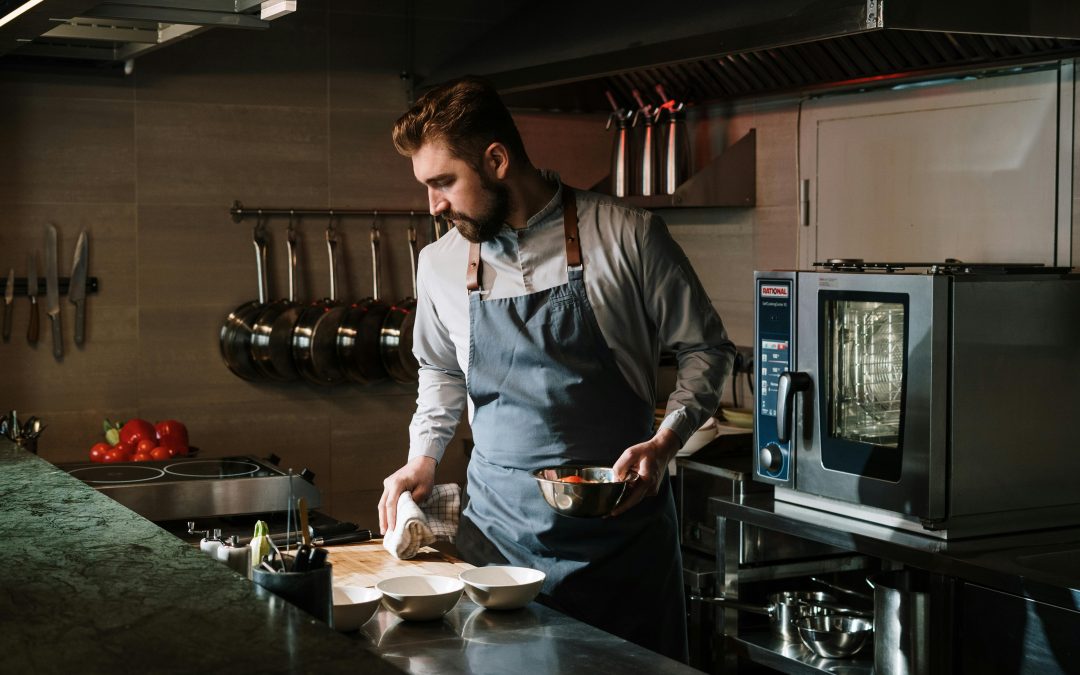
x=570 y=232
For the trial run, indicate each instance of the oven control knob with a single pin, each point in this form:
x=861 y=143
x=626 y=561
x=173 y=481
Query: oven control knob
x=770 y=458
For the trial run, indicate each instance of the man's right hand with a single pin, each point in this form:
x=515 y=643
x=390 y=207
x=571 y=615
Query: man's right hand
x=417 y=477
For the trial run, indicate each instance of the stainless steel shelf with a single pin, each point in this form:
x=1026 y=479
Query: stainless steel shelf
x=769 y=650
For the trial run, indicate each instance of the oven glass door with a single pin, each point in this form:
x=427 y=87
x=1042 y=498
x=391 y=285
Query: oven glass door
x=863 y=342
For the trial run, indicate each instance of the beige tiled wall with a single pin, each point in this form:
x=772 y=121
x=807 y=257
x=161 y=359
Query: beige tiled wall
x=298 y=115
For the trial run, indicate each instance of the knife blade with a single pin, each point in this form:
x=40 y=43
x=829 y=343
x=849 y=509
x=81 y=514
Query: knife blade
x=77 y=286
x=52 y=291
x=9 y=299
x=32 y=291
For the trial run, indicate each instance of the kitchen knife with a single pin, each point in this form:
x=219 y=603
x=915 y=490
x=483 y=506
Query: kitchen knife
x=52 y=292
x=9 y=299
x=77 y=286
x=31 y=290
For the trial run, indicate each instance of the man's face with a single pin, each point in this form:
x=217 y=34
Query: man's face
x=476 y=204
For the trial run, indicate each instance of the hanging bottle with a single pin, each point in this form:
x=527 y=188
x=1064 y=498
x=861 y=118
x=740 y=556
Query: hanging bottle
x=649 y=166
x=622 y=160
x=676 y=154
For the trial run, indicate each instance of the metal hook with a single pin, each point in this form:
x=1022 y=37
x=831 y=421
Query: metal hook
x=331 y=232
x=375 y=226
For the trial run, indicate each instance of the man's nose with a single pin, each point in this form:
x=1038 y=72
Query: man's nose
x=437 y=204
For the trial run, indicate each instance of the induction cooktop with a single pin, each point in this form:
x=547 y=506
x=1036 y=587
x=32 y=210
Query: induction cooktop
x=197 y=487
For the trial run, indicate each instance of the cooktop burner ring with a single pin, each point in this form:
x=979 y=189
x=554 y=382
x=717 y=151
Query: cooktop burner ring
x=218 y=468
x=148 y=473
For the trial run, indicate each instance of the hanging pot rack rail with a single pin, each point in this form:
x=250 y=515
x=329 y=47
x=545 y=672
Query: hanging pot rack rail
x=239 y=212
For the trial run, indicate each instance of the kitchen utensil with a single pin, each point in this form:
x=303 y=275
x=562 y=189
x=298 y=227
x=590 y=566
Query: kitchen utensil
x=901 y=622
x=353 y=606
x=236 y=331
x=782 y=608
x=395 y=338
x=9 y=302
x=596 y=496
x=271 y=336
x=649 y=167
x=301 y=563
x=52 y=292
x=361 y=328
x=348 y=538
x=622 y=158
x=420 y=597
x=676 y=153
x=77 y=286
x=834 y=636
x=861 y=597
x=502 y=587
x=32 y=291
x=314 y=339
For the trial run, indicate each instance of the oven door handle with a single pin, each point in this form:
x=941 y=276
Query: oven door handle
x=789 y=383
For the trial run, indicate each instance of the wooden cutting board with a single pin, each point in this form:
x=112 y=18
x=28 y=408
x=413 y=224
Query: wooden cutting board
x=368 y=563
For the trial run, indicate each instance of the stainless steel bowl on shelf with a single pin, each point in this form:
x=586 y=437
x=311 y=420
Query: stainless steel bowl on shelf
x=591 y=492
x=834 y=636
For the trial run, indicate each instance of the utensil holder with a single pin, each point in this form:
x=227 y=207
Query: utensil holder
x=311 y=591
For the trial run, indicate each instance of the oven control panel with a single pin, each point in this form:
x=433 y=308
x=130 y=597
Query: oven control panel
x=774 y=346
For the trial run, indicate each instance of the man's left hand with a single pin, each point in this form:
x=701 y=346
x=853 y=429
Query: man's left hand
x=649 y=461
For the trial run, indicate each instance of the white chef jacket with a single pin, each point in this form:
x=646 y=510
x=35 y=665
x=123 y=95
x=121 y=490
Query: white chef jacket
x=643 y=292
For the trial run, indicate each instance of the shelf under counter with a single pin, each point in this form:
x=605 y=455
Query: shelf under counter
x=765 y=648
x=1003 y=561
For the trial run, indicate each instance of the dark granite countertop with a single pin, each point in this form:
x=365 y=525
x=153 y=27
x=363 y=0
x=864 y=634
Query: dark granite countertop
x=1043 y=565
x=88 y=586
x=91 y=587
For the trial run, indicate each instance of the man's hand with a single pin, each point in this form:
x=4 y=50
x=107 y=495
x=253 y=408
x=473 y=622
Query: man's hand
x=417 y=477
x=649 y=461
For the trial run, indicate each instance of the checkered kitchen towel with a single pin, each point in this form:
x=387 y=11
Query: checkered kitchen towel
x=435 y=519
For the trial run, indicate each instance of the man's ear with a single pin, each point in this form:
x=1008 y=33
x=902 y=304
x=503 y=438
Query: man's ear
x=497 y=160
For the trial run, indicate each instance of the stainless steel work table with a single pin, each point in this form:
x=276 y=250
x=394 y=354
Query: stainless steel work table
x=1041 y=566
x=535 y=639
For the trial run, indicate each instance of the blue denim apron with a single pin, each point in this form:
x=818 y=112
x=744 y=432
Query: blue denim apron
x=548 y=392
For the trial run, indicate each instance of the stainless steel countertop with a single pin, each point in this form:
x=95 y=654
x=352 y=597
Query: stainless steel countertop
x=535 y=639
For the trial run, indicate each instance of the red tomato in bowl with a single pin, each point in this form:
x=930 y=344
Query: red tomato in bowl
x=97 y=452
x=145 y=446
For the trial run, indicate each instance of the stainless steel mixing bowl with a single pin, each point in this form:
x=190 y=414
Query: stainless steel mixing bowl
x=581 y=500
x=834 y=636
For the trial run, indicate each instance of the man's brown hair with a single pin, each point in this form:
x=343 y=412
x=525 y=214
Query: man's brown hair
x=466 y=114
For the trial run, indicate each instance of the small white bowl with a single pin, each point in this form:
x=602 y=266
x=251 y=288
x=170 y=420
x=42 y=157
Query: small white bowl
x=502 y=587
x=353 y=606
x=420 y=597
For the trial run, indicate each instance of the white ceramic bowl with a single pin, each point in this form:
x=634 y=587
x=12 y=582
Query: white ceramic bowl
x=420 y=597
x=353 y=606
x=502 y=587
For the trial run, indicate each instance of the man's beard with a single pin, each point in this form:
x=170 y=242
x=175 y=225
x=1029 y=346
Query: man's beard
x=486 y=224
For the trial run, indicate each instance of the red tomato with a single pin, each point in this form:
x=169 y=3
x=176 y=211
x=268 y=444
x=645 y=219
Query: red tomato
x=171 y=433
x=125 y=449
x=145 y=446
x=159 y=454
x=97 y=453
x=135 y=430
x=141 y=457
x=114 y=456
x=572 y=479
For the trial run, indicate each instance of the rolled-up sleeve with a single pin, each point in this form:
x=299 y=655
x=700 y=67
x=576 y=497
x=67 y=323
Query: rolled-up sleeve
x=441 y=393
x=688 y=325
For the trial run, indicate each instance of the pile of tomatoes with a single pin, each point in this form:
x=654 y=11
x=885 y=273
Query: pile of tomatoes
x=139 y=441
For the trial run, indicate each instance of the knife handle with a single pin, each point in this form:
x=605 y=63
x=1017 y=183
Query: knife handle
x=57 y=337
x=8 y=306
x=80 y=322
x=32 y=331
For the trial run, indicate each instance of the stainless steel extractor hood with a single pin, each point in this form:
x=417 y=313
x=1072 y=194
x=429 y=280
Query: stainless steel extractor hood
x=118 y=31
x=708 y=50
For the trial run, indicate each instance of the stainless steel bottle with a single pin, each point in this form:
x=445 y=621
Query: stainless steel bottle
x=676 y=153
x=622 y=159
x=649 y=166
